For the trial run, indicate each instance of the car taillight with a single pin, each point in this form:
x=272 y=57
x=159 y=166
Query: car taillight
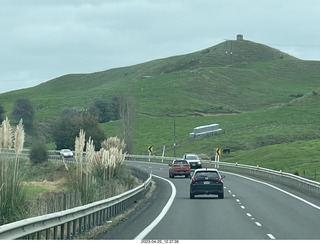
x=218 y=179
x=194 y=179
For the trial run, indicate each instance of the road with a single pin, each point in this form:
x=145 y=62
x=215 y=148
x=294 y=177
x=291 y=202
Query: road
x=251 y=210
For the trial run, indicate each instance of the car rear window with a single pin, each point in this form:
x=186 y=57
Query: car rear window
x=180 y=162
x=209 y=174
x=192 y=157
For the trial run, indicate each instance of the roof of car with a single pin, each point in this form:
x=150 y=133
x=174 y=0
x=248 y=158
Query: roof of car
x=206 y=169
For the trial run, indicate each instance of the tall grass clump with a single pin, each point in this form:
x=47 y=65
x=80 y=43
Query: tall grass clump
x=95 y=168
x=108 y=161
x=13 y=203
x=84 y=181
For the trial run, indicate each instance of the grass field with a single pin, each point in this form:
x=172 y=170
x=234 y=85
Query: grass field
x=283 y=138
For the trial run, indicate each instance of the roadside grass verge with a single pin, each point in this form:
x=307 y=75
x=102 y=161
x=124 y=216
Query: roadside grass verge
x=300 y=157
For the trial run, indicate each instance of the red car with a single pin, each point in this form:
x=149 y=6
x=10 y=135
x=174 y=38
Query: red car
x=179 y=167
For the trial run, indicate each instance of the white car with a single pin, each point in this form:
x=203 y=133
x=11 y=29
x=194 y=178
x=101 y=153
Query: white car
x=66 y=153
x=193 y=160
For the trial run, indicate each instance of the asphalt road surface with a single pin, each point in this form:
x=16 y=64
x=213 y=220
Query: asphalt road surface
x=251 y=210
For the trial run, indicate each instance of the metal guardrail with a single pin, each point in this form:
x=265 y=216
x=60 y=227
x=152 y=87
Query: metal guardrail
x=294 y=181
x=69 y=223
x=297 y=182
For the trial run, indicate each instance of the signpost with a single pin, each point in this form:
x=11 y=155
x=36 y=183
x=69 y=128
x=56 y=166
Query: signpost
x=163 y=149
x=218 y=153
x=150 y=149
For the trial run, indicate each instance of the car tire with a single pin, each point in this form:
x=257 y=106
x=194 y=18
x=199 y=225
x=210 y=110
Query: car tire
x=187 y=176
x=191 y=195
x=221 y=195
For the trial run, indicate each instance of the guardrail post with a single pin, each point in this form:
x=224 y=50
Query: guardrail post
x=85 y=218
x=68 y=230
x=55 y=233
x=80 y=226
x=47 y=234
x=62 y=231
x=74 y=228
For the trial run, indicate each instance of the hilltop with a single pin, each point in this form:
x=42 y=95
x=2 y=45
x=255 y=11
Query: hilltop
x=260 y=96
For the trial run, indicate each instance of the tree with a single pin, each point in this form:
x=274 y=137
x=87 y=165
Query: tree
x=67 y=127
x=105 y=111
x=23 y=108
x=1 y=113
x=127 y=118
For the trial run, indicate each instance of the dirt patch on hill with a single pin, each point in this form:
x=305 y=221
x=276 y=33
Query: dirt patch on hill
x=199 y=113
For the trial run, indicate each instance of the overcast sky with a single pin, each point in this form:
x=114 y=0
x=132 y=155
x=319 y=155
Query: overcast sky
x=43 y=39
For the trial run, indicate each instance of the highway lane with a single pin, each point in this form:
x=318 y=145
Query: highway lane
x=205 y=218
x=251 y=210
x=283 y=212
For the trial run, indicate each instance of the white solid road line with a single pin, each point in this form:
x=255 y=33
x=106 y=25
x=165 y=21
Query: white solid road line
x=162 y=214
x=277 y=188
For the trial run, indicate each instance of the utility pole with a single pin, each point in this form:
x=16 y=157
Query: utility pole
x=226 y=46
x=231 y=52
x=174 y=137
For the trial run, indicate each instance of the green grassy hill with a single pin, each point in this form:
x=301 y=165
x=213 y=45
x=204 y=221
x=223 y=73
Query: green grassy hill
x=207 y=81
x=266 y=102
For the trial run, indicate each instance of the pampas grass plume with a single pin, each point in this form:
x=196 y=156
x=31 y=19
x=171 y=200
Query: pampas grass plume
x=19 y=138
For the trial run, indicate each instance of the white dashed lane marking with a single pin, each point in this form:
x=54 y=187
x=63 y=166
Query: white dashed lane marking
x=271 y=236
x=249 y=215
x=257 y=223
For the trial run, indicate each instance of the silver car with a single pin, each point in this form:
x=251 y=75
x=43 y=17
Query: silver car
x=66 y=153
x=193 y=160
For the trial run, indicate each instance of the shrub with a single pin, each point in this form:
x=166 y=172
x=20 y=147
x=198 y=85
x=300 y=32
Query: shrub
x=38 y=154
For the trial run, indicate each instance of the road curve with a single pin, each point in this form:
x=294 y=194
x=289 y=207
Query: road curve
x=251 y=210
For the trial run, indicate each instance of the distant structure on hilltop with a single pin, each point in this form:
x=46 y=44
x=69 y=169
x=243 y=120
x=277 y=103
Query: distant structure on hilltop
x=239 y=37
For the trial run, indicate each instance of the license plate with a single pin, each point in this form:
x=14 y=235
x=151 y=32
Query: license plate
x=206 y=182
